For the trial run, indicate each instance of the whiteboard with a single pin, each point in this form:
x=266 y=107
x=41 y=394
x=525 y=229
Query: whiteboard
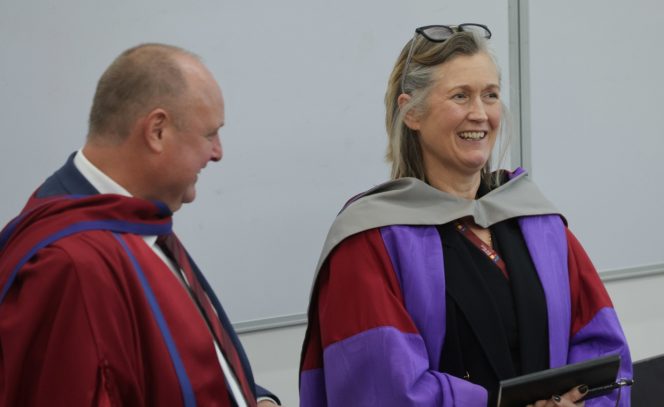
x=303 y=83
x=596 y=89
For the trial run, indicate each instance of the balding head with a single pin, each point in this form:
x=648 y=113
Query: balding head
x=139 y=80
x=155 y=123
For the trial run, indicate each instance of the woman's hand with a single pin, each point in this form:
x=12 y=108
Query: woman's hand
x=569 y=399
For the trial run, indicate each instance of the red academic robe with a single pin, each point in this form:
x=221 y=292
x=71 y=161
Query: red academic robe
x=94 y=317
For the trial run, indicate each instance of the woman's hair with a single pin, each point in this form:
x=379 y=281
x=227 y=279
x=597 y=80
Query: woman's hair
x=404 y=150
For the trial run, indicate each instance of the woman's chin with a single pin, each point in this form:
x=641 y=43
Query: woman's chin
x=475 y=164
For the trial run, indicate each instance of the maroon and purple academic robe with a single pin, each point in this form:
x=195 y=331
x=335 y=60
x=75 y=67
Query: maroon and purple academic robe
x=377 y=318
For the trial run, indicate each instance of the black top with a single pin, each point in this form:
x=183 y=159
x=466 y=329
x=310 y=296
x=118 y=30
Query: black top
x=495 y=328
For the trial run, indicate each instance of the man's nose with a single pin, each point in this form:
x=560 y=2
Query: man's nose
x=217 y=150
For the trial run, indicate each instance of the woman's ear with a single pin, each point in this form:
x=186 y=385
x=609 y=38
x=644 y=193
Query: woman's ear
x=411 y=118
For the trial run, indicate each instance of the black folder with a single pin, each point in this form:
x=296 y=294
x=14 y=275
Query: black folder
x=595 y=373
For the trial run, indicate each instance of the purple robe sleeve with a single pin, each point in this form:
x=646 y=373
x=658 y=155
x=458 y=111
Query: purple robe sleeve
x=596 y=330
x=365 y=346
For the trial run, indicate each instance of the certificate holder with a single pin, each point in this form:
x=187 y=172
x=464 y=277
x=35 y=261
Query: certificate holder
x=598 y=374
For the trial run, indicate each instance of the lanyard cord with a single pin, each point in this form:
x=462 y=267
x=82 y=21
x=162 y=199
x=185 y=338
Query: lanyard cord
x=464 y=229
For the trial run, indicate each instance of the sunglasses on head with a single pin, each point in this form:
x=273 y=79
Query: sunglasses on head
x=440 y=33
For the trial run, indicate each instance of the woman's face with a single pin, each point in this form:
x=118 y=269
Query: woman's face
x=458 y=129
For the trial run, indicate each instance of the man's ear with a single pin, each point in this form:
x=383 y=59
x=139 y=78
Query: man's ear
x=411 y=118
x=154 y=128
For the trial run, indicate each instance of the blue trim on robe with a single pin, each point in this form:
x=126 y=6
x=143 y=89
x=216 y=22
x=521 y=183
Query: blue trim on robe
x=108 y=225
x=188 y=396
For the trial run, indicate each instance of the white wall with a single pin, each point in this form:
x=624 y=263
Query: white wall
x=275 y=354
x=639 y=303
x=596 y=134
x=303 y=83
x=275 y=359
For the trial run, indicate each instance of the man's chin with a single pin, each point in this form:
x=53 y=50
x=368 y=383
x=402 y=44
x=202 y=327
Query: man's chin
x=185 y=198
x=189 y=196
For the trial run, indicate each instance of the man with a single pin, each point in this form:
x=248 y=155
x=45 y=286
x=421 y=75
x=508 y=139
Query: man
x=99 y=304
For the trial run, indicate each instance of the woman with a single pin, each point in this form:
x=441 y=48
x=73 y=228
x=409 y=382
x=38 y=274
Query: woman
x=433 y=287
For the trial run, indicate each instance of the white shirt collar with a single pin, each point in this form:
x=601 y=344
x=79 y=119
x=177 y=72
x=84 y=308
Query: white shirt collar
x=102 y=182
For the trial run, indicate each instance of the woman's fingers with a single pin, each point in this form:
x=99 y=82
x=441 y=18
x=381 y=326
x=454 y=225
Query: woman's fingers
x=576 y=393
x=571 y=398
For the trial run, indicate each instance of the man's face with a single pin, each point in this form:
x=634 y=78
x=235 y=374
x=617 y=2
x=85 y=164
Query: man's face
x=194 y=141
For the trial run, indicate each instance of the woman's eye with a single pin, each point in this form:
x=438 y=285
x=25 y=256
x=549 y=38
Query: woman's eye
x=492 y=96
x=459 y=96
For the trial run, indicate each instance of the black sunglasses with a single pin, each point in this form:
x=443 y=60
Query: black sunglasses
x=440 y=33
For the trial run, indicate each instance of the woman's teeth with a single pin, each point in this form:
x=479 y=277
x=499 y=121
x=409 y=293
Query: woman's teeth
x=472 y=135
